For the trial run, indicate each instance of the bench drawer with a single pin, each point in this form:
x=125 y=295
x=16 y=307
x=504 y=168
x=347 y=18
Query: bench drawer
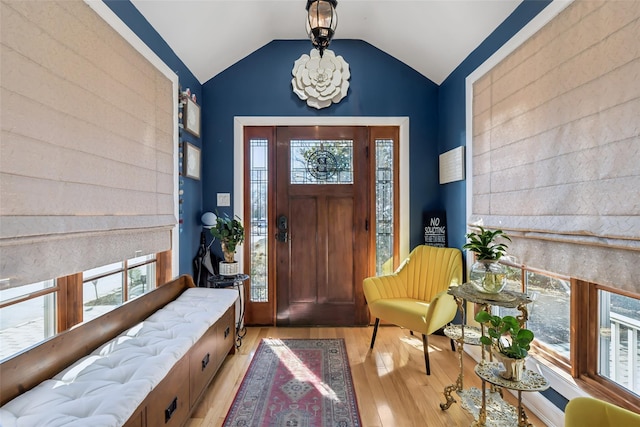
x=226 y=333
x=204 y=360
x=168 y=404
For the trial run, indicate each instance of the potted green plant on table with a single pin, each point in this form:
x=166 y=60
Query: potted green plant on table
x=487 y=274
x=230 y=232
x=508 y=341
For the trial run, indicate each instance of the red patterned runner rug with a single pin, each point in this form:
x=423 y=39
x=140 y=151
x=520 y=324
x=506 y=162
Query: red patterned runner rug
x=296 y=382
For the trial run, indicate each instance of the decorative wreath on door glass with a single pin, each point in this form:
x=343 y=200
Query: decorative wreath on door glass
x=322 y=165
x=320 y=81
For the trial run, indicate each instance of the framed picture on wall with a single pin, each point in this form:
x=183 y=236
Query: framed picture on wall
x=191 y=117
x=191 y=160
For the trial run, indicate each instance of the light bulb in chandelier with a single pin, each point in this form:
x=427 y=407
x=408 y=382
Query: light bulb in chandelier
x=321 y=22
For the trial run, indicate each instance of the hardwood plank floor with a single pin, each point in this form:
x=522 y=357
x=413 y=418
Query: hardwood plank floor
x=391 y=386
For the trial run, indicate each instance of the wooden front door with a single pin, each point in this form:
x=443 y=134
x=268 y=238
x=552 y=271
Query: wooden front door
x=321 y=218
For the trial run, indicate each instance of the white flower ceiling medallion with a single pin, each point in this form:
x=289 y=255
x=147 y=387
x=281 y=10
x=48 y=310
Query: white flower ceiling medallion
x=320 y=81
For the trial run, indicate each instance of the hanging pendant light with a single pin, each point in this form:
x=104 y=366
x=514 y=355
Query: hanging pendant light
x=322 y=21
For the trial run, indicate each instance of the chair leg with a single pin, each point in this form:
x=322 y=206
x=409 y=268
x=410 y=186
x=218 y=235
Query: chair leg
x=375 y=331
x=425 y=344
x=453 y=345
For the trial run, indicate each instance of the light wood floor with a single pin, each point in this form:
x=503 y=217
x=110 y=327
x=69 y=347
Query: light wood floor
x=390 y=383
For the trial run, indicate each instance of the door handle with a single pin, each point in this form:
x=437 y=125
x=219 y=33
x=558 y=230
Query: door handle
x=283 y=229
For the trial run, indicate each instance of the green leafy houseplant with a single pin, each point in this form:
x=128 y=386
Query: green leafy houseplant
x=484 y=245
x=486 y=273
x=230 y=232
x=505 y=335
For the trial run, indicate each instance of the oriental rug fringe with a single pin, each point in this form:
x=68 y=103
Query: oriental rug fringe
x=296 y=382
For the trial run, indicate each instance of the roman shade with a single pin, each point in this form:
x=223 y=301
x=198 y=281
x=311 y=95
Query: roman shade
x=556 y=144
x=87 y=152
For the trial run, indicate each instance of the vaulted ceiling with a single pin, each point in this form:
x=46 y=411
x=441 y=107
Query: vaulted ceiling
x=431 y=36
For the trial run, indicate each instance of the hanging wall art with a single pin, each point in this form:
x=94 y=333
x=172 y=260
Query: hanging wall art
x=320 y=81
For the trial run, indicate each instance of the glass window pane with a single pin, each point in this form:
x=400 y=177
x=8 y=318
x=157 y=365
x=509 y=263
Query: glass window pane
x=384 y=206
x=549 y=314
x=101 y=295
x=141 y=279
x=619 y=349
x=100 y=271
x=259 y=181
x=140 y=260
x=259 y=154
x=27 y=323
x=321 y=161
x=514 y=283
x=12 y=293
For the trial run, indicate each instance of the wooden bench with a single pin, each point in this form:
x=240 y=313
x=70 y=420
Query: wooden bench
x=97 y=351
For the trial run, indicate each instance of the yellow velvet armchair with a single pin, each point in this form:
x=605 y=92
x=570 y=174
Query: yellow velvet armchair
x=415 y=296
x=591 y=412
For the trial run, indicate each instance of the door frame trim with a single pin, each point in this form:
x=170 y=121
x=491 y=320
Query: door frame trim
x=239 y=122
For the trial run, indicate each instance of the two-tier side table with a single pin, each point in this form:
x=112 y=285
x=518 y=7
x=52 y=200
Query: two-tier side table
x=463 y=334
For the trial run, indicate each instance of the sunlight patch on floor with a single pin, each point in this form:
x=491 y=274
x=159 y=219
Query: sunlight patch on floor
x=416 y=343
x=298 y=369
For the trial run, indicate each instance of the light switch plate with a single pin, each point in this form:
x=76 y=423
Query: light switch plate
x=224 y=199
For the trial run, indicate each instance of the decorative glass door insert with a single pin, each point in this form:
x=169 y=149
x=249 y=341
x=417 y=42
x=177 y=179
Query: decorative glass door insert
x=321 y=161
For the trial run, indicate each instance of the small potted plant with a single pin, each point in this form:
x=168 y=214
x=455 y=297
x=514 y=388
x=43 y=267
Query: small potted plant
x=487 y=274
x=508 y=341
x=230 y=232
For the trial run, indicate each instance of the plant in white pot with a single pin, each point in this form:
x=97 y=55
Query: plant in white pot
x=508 y=341
x=487 y=274
x=230 y=232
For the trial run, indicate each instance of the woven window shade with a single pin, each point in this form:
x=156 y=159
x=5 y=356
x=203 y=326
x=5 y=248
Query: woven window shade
x=556 y=144
x=87 y=156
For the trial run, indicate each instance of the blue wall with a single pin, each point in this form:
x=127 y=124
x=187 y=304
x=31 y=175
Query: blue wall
x=191 y=197
x=260 y=85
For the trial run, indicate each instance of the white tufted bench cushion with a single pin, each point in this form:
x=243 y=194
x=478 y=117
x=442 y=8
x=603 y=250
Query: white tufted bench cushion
x=105 y=387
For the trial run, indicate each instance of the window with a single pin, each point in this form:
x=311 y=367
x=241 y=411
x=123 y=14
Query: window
x=104 y=288
x=322 y=162
x=384 y=205
x=30 y=314
x=101 y=290
x=613 y=359
x=259 y=180
x=550 y=317
x=618 y=345
x=141 y=274
x=549 y=314
x=27 y=316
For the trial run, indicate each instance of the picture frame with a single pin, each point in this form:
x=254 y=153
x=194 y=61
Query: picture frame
x=191 y=117
x=191 y=160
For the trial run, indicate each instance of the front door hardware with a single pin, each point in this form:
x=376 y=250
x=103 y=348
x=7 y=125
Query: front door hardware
x=283 y=229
